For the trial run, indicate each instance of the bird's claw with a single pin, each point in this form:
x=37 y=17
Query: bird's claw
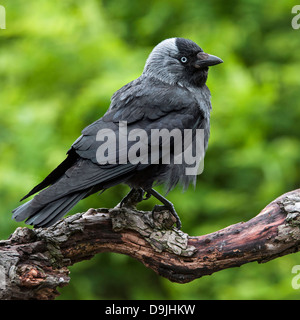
x=132 y=198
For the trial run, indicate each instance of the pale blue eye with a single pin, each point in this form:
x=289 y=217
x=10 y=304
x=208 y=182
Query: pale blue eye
x=184 y=59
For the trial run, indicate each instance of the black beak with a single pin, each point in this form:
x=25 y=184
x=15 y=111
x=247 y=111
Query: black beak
x=206 y=60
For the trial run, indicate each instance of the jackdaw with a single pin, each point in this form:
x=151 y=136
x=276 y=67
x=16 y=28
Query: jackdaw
x=170 y=94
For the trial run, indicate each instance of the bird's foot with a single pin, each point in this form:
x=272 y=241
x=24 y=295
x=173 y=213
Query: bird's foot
x=133 y=198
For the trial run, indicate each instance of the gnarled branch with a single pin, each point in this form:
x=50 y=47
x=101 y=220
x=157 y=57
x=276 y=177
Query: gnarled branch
x=33 y=263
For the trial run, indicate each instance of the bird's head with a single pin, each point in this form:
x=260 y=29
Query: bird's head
x=180 y=61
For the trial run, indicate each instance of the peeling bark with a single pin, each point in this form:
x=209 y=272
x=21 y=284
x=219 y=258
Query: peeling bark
x=34 y=262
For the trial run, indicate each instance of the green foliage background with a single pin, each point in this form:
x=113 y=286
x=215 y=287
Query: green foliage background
x=60 y=62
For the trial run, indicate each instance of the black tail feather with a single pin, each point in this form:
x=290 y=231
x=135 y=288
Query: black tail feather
x=47 y=215
x=55 y=174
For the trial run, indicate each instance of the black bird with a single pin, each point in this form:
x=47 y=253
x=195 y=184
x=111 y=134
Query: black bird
x=170 y=94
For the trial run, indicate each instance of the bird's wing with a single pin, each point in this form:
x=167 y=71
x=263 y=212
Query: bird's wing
x=144 y=104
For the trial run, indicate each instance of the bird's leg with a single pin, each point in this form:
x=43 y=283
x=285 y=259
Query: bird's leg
x=132 y=198
x=167 y=205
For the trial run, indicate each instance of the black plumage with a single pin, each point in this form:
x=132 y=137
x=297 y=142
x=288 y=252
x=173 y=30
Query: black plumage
x=171 y=93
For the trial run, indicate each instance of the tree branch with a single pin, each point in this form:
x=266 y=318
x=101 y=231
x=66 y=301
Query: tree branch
x=33 y=263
